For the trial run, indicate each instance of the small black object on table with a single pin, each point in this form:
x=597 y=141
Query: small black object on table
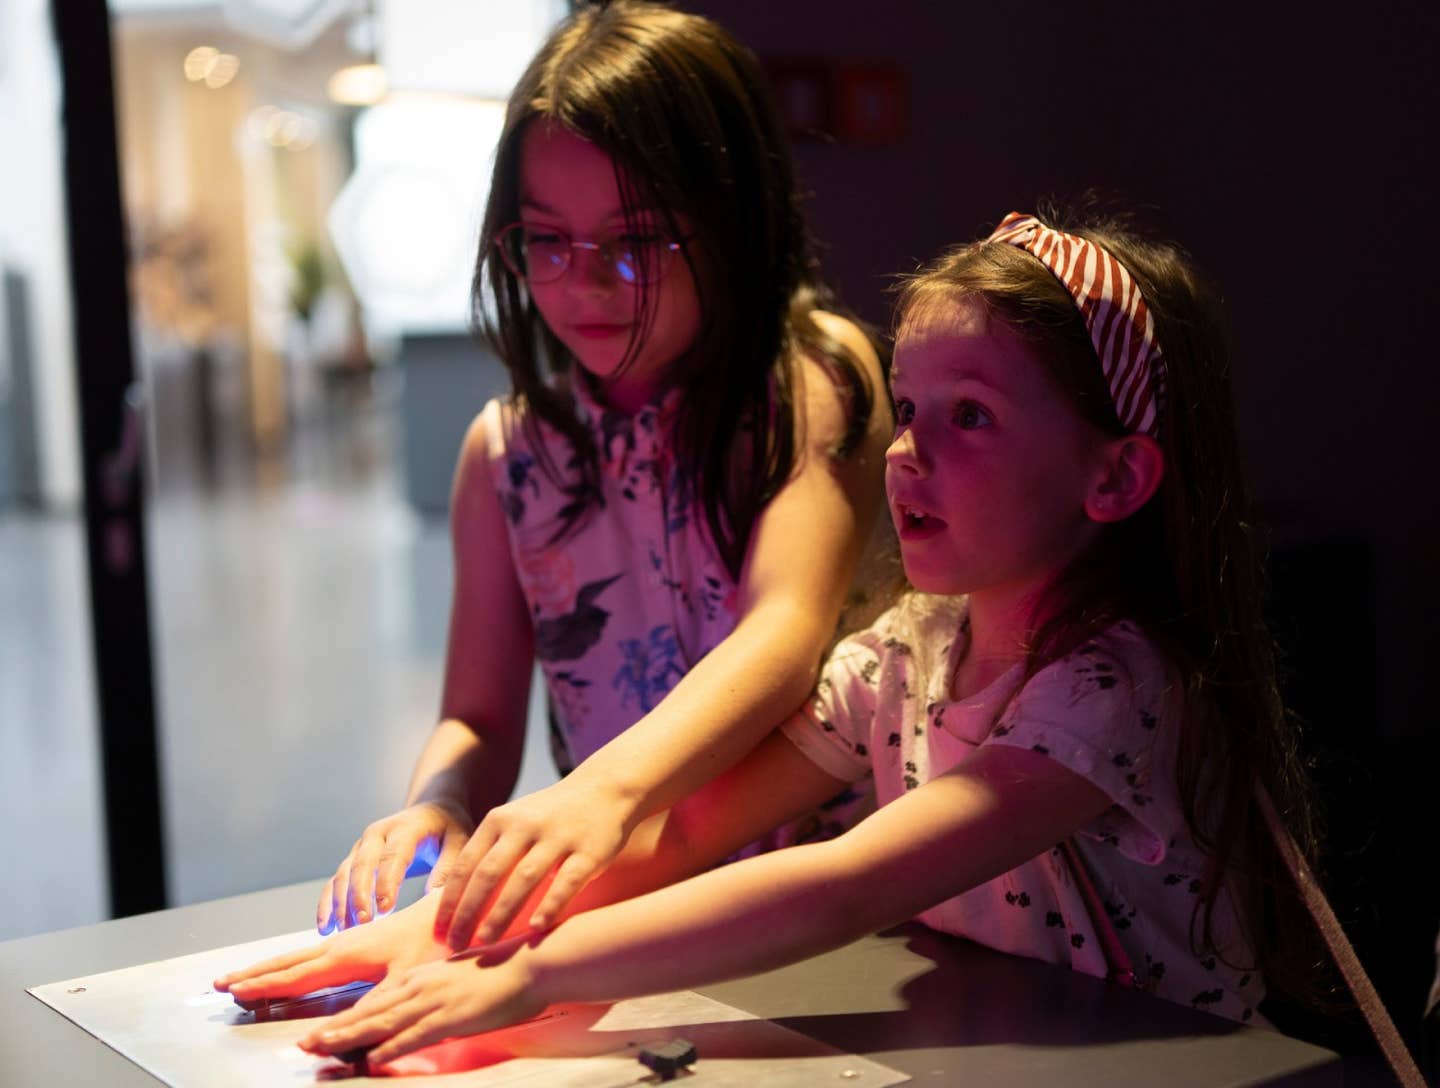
x=669 y=1058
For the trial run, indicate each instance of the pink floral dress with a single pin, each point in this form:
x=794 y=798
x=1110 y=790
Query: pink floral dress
x=627 y=600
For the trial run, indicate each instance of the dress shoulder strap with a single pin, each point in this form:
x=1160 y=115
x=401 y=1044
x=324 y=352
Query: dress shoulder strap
x=1341 y=951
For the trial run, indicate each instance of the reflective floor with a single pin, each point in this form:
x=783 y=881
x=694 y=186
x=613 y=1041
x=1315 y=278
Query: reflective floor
x=299 y=631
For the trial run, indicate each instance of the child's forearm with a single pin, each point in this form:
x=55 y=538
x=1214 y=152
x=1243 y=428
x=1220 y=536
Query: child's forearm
x=717 y=713
x=1001 y=807
x=748 y=917
x=458 y=767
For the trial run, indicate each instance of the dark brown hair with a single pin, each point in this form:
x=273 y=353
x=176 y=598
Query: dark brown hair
x=682 y=110
x=1185 y=568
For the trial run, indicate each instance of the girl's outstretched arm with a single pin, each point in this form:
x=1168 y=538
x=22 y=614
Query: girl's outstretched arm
x=799 y=568
x=997 y=809
x=472 y=758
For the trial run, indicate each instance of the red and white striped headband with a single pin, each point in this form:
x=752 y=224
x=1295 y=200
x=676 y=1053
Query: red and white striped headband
x=1114 y=312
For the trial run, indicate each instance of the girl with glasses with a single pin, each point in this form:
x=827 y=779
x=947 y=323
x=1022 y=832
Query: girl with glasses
x=668 y=509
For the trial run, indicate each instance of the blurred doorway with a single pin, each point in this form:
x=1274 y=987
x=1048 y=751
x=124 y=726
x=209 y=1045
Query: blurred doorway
x=303 y=185
x=303 y=369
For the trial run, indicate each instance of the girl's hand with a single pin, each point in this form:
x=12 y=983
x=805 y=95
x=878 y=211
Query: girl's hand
x=469 y=993
x=569 y=829
x=365 y=954
x=425 y=835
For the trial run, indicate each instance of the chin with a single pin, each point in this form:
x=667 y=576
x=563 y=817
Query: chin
x=602 y=369
x=928 y=580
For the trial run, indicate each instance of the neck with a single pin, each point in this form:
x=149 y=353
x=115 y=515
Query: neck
x=625 y=393
x=1005 y=618
x=628 y=396
x=1001 y=626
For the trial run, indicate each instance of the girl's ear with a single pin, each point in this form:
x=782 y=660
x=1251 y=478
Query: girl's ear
x=1130 y=473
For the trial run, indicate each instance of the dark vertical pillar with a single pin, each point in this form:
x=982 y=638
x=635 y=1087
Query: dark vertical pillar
x=110 y=436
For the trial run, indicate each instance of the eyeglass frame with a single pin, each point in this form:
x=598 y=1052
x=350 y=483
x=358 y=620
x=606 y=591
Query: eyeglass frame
x=605 y=250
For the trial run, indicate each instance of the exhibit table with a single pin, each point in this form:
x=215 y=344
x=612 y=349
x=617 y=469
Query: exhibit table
x=941 y=1010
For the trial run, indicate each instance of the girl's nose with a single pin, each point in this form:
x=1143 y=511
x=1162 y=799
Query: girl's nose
x=592 y=268
x=903 y=454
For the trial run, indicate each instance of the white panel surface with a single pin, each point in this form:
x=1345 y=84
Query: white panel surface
x=166 y=1018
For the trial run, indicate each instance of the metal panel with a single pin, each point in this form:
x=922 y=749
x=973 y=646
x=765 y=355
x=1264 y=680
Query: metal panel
x=165 y=1017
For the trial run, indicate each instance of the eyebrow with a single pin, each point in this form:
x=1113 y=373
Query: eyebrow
x=962 y=374
x=527 y=204
x=530 y=204
x=951 y=374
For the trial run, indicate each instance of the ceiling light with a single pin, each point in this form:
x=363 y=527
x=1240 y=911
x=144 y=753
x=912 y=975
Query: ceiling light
x=357 y=85
x=198 y=61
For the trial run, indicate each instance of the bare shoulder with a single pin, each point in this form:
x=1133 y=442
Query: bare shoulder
x=481 y=448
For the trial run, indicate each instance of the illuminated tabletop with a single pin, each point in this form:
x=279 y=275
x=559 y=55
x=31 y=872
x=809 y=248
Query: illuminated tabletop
x=942 y=1010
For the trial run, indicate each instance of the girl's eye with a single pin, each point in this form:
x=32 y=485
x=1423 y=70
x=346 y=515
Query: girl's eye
x=538 y=236
x=969 y=416
x=904 y=412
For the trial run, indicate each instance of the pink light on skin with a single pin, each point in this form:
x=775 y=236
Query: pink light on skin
x=569 y=184
x=990 y=464
x=988 y=474
x=462 y=1055
x=563 y=1030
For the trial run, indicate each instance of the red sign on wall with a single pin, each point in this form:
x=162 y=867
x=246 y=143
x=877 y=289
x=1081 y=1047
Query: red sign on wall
x=849 y=103
x=869 y=104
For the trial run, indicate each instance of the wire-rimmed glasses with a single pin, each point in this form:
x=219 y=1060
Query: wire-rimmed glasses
x=542 y=254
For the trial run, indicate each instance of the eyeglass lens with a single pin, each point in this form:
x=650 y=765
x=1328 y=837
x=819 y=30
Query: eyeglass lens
x=544 y=255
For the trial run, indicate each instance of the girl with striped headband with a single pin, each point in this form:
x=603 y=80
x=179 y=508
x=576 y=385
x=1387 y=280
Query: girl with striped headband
x=1063 y=716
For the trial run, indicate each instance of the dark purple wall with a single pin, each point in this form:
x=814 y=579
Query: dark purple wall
x=1290 y=151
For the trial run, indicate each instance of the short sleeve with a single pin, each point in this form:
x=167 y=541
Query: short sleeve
x=833 y=728
x=1103 y=713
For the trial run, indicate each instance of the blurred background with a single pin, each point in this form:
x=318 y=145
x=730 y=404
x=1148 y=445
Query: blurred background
x=301 y=183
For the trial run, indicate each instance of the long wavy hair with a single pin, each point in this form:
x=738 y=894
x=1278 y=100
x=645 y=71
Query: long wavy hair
x=683 y=112
x=1186 y=568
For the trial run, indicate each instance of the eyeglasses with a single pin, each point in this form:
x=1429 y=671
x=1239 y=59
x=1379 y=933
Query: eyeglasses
x=542 y=254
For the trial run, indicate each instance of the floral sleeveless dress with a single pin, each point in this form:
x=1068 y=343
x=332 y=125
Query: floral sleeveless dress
x=625 y=604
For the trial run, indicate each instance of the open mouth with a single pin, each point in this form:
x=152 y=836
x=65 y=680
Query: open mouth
x=911 y=521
